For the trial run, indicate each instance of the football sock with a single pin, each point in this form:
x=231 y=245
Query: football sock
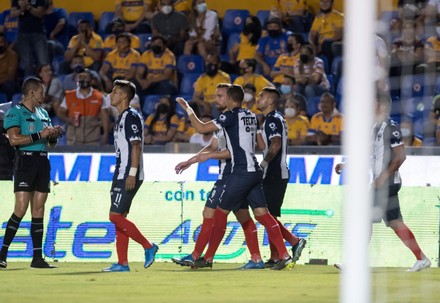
x=122 y=246
x=287 y=235
x=250 y=234
x=130 y=230
x=203 y=237
x=11 y=230
x=407 y=237
x=37 y=237
x=218 y=231
x=274 y=233
x=273 y=252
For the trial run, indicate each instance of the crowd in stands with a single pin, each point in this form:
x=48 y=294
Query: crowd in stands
x=172 y=48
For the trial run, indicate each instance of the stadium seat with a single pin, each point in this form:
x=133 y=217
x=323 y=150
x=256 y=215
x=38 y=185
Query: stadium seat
x=74 y=17
x=437 y=86
x=416 y=86
x=105 y=19
x=336 y=69
x=326 y=64
x=262 y=15
x=3 y=98
x=187 y=84
x=232 y=40
x=396 y=108
x=190 y=64
x=387 y=16
x=331 y=81
x=233 y=21
x=56 y=63
x=149 y=106
x=179 y=110
x=16 y=98
x=312 y=106
x=144 y=40
x=417 y=108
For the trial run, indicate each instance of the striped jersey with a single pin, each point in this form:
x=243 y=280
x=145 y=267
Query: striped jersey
x=224 y=165
x=275 y=126
x=127 y=129
x=386 y=135
x=240 y=128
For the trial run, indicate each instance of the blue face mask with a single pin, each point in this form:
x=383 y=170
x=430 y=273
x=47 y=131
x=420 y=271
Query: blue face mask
x=285 y=89
x=201 y=7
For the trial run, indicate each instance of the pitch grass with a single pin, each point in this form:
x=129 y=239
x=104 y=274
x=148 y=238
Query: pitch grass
x=167 y=282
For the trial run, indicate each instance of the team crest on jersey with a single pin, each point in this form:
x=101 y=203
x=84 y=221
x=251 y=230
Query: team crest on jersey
x=222 y=117
x=396 y=134
x=31 y=127
x=134 y=128
x=272 y=126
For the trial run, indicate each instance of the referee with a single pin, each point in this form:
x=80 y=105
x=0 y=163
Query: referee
x=29 y=130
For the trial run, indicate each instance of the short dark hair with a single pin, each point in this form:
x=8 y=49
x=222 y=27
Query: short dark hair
x=383 y=98
x=127 y=87
x=291 y=78
x=2 y=35
x=159 y=37
x=330 y=95
x=236 y=93
x=31 y=84
x=124 y=35
x=84 y=21
x=274 y=93
x=223 y=85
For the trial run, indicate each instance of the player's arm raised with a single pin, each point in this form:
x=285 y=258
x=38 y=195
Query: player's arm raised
x=201 y=127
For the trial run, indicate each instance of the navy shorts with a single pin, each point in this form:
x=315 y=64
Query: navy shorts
x=31 y=172
x=214 y=195
x=242 y=187
x=386 y=204
x=120 y=198
x=274 y=191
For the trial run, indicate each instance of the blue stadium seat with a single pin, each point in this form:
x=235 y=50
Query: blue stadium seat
x=144 y=40
x=3 y=98
x=16 y=98
x=56 y=63
x=387 y=16
x=105 y=19
x=336 y=69
x=312 y=106
x=74 y=17
x=149 y=105
x=262 y=15
x=331 y=81
x=417 y=108
x=187 y=84
x=437 y=85
x=179 y=110
x=396 y=108
x=326 y=64
x=232 y=40
x=190 y=64
x=233 y=21
x=416 y=86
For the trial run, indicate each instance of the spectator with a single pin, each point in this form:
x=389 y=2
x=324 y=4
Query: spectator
x=56 y=30
x=31 y=39
x=250 y=102
x=204 y=88
x=248 y=75
x=185 y=129
x=7 y=152
x=310 y=76
x=161 y=126
x=88 y=44
x=8 y=68
x=413 y=10
x=135 y=14
x=325 y=36
x=246 y=47
x=118 y=27
x=171 y=25
x=159 y=65
x=9 y=26
x=295 y=15
x=120 y=63
x=326 y=126
x=270 y=47
x=76 y=65
x=286 y=62
x=297 y=125
x=287 y=90
x=432 y=50
x=202 y=139
x=204 y=34
x=53 y=89
x=85 y=113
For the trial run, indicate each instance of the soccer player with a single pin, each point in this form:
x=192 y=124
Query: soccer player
x=245 y=181
x=128 y=176
x=218 y=143
x=276 y=171
x=29 y=130
x=388 y=156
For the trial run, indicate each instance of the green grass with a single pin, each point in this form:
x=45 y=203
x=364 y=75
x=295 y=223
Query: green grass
x=167 y=282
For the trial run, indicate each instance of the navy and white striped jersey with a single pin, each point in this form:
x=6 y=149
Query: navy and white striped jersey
x=240 y=128
x=275 y=126
x=128 y=128
x=386 y=135
x=223 y=165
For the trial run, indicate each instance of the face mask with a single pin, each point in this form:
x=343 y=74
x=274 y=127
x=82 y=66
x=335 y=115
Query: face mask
x=289 y=112
x=289 y=47
x=406 y=132
x=118 y=31
x=162 y=108
x=157 y=50
x=211 y=69
x=167 y=9
x=84 y=84
x=247 y=97
x=437 y=29
x=77 y=67
x=304 y=58
x=201 y=7
x=285 y=89
x=274 y=33
x=326 y=11
x=249 y=28
x=2 y=49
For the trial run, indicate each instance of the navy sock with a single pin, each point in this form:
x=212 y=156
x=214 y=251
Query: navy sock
x=37 y=237
x=11 y=230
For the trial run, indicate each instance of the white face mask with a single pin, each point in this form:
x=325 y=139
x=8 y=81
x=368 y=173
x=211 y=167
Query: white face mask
x=406 y=132
x=247 y=97
x=167 y=9
x=201 y=8
x=437 y=29
x=289 y=112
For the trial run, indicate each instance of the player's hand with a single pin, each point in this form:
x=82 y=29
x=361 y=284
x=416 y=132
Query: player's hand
x=130 y=183
x=380 y=181
x=338 y=168
x=182 y=166
x=46 y=132
x=182 y=102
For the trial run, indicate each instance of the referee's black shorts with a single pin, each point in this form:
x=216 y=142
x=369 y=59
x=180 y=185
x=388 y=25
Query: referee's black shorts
x=274 y=190
x=31 y=172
